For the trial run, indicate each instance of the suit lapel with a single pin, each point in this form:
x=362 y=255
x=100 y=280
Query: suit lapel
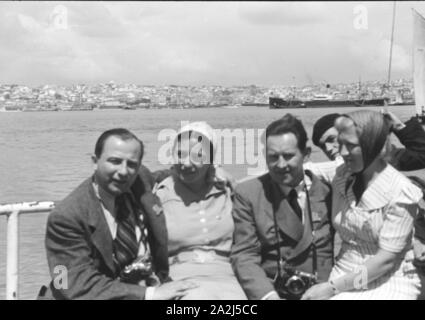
x=316 y=194
x=101 y=236
x=287 y=220
x=307 y=236
x=155 y=219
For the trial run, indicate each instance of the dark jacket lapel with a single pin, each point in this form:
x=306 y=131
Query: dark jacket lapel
x=307 y=236
x=101 y=235
x=158 y=236
x=316 y=193
x=287 y=220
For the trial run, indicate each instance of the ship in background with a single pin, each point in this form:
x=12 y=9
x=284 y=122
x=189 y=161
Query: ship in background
x=330 y=97
x=324 y=101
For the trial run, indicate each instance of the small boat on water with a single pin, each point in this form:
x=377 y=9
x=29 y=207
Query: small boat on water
x=236 y=106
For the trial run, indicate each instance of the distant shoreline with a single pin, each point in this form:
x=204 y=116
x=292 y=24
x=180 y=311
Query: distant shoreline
x=230 y=106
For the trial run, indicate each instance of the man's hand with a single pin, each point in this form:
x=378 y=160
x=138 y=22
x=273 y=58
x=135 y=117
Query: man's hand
x=173 y=290
x=394 y=122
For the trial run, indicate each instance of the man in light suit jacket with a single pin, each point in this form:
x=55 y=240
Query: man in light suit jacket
x=281 y=200
x=84 y=239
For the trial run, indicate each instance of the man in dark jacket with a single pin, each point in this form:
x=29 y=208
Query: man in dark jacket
x=282 y=222
x=100 y=229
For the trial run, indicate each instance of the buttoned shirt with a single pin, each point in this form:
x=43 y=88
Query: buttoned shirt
x=383 y=218
x=204 y=224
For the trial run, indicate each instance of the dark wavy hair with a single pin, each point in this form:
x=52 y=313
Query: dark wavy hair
x=121 y=133
x=288 y=124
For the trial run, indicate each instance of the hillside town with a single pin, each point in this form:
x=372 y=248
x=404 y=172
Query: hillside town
x=111 y=95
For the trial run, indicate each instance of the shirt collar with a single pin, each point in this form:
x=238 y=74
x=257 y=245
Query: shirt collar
x=379 y=193
x=96 y=190
x=105 y=201
x=168 y=184
x=305 y=183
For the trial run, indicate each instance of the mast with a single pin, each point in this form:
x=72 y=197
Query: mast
x=391 y=46
x=360 y=87
x=419 y=62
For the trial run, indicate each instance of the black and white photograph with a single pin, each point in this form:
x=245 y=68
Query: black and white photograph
x=221 y=151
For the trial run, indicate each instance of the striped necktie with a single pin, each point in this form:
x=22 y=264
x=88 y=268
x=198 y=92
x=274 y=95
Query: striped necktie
x=125 y=243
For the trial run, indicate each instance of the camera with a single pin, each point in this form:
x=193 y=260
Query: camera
x=139 y=270
x=291 y=284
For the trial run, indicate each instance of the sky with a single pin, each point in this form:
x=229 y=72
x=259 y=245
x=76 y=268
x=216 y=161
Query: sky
x=203 y=43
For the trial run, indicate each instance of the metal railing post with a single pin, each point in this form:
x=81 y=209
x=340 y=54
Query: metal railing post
x=12 y=212
x=12 y=256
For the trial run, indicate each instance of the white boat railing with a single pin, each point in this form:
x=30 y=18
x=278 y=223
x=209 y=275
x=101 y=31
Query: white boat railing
x=12 y=212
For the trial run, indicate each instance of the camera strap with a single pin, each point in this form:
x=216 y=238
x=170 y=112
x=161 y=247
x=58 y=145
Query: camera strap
x=313 y=244
x=279 y=256
x=280 y=262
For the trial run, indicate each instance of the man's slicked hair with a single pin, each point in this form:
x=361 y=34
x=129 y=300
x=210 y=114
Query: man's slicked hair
x=288 y=124
x=120 y=133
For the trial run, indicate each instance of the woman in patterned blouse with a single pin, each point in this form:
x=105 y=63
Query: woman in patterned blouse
x=373 y=209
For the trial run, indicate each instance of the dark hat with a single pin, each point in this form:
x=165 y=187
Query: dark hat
x=322 y=125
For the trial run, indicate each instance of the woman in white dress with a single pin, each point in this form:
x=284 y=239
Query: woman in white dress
x=197 y=207
x=373 y=210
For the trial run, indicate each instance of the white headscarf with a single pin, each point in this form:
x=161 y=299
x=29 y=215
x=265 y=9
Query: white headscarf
x=203 y=128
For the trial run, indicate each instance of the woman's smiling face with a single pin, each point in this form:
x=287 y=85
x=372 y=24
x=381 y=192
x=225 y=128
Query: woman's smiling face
x=192 y=154
x=349 y=145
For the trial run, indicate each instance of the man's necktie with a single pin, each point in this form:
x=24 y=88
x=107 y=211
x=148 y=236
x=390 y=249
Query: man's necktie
x=293 y=201
x=125 y=244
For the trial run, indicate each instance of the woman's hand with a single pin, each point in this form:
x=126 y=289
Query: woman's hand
x=321 y=291
x=419 y=250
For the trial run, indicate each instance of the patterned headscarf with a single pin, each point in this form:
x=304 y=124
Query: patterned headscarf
x=372 y=130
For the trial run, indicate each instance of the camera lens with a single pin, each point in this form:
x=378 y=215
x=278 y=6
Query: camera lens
x=295 y=285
